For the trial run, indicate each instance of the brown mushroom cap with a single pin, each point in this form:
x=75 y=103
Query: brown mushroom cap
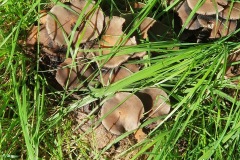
x=114 y=36
x=116 y=74
x=184 y=11
x=232 y=13
x=222 y=2
x=126 y=117
x=155 y=101
x=73 y=76
x=219 y=28
x=61 y=21
x=209 y=7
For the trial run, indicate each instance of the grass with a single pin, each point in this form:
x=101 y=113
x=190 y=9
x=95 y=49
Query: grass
x=204 y=122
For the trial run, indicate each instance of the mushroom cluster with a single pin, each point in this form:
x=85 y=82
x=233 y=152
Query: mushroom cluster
x=93 y=39
x=125 y=111
x=79 y=26
x=219 y=17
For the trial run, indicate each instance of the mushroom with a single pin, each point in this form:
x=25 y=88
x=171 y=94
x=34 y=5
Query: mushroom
x=61 y=21
x=114 y=36
x=184 y=11
x=72 y=77
x=155 y=101
x=209 y=7
x=116 y=74
x=219 y=28
x=122 y=113
x=33 y=35
x=231 y=12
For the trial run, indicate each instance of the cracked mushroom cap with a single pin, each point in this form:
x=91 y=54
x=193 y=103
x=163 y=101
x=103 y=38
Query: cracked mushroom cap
x=72 y=77
x=231 y=12
x=209 y=7
x=116 y=74
x=123 y=113
x=184 y=11
x=61 y=22
x=155 y=101
x=219 y=28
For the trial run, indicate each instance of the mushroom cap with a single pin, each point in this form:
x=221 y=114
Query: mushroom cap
x=33 y=35
x=209 y=7
x=46 y=41
x=61 y=21
x=184 y=11
x=219 y=28
x=116 y=74
x=114 y=26
x=222 y=2
x=126 y=117
x=232 y=13
x=155 y=101
x=73 y=76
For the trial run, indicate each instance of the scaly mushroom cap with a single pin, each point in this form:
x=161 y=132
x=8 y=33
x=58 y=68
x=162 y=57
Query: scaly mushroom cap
x=209 y=7
x=116 y=74
x=155 y=101
x=219 y=28
x=123 y=113
x=232 y=13
x=184 y=11
x=61 y=22
x=72 y=77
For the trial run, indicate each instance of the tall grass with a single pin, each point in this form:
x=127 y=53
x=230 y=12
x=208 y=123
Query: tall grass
x=204 y=122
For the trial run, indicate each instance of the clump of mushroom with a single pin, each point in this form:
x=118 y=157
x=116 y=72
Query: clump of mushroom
x=124 y=111
x=78 y=26
x=219 y=17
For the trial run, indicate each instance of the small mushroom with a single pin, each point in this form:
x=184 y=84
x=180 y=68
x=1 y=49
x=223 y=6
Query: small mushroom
x=209 y=7
x=184 y=11
x=155 y=101
x=231 y=12
x=219 y=28
x=116 y=74
x=61 y=21
x=72 y=77
x=123 y=113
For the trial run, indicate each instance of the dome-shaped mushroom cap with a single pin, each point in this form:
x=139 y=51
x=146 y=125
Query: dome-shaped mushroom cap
x=123 y=113
x=209 y=7
x=155 y=101
x=184 y=11
x=232 y=13
x=61 y=22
